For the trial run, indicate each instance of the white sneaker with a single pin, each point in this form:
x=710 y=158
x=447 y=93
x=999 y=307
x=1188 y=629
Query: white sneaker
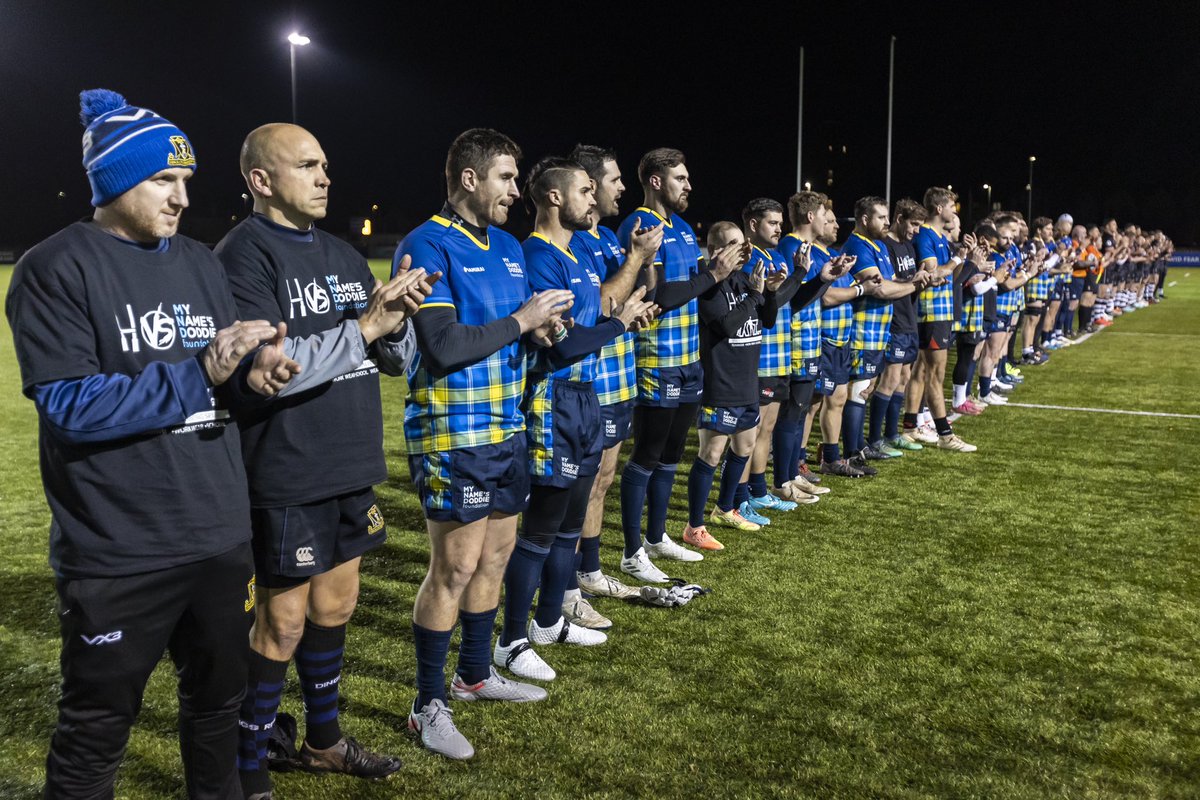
x=604 y=586
x=641 y=567
x=808 y=487
x=794 y=494
x=563 y=632
x=580 y=612
x=994 y=398
x=434 y=724
x=952 y=442
x=520 y=659
x=668 y=549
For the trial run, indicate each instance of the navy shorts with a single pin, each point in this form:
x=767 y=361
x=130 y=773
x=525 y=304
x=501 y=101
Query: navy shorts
x=806 y=370
x=294 y=543
x=971 y=338
x=563 y=432
x=617 y=423
x=1077 y=289
x=996 y=324
x=670 y=387
x=902 y=348
x=866 y=364
x=834 y=370
x=773 y=389
x=471 y=483
x=935 y=335
x=727 y=419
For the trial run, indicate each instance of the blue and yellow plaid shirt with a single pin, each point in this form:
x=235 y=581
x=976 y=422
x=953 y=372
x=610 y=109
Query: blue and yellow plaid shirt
x=806 y=321
x=935 y=303
x=836 y=321
x=480 y=403
x=672 y=340
x=616 y=371
x=872 y=316
x=775 y=354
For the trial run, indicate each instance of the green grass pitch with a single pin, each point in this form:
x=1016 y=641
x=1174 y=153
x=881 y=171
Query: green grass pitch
x=1022 y=622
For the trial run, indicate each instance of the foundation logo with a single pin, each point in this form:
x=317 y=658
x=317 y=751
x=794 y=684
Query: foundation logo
x=514 y=268
x=305 y=299
x=158 y=330
x=346 y=295
x=474 y=497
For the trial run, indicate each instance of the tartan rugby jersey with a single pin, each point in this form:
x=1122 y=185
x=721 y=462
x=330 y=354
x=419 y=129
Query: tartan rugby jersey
x=479 y=404
x=1039 y=288
x=936 y=303
x=1008 y=302
x=872 y=316
x=837 y=320
x=806 y=323
x=775 y=353
x=616 y=374
x=551 y=267
x=672 y=340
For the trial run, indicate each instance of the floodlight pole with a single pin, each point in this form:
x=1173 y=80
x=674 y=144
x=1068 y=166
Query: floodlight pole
x=887 y=193
x=295 y=39
x=1029 y=211
x=800 y=126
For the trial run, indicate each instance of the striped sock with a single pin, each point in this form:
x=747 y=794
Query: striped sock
x=319 y=665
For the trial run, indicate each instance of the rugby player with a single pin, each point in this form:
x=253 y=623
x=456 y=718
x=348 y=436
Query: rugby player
x=809 y=214
x=833 y=370
x=936 y=315
x=762 y=220
x=669 y=374
x=616 y=373
x=311 y=461
x=871 y=324
x=129 y=345
x=562 y=418
x=888 y=401
x=464 y=428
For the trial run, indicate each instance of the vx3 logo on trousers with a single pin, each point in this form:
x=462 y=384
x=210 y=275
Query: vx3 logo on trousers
x=101 y=638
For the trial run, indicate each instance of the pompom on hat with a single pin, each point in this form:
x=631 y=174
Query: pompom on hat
x=124 y=145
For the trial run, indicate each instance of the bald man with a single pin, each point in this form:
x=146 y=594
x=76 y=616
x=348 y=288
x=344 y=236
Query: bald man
x=313 y=454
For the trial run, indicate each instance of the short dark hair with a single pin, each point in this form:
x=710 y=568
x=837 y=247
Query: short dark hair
x=1041 y=222
x=718 y=230
x=474 y=149
x=1004 y=219
x=801 y=204
x=909 y=209
x=552 y=172
x=986 y=228
x=937 y=196
x=658 y=161
x=759 y=207
x=592 y=158
x=865 y=205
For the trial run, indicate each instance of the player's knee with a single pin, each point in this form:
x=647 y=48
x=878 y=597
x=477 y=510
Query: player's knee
x=453 y=576
x=277 y=635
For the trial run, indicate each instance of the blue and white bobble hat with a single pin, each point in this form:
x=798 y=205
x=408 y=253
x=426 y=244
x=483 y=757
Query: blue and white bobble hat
x=124 y=145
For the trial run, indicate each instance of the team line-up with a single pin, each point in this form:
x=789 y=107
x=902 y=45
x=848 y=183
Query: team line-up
x=211 y=427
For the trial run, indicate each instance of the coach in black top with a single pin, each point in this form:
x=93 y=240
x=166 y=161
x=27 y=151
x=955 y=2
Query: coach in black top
x=312 y=455
x=128 y=345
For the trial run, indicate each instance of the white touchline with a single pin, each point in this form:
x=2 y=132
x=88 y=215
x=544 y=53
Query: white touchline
x=1104 y=410
x=1173 y=283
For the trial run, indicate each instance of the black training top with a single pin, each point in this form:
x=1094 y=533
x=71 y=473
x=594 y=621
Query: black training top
x=731 y=322
x=905 y=264
x=326 y=440
x=85 y=305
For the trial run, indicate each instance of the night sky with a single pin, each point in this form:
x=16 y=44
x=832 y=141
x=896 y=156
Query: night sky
x=1107 y=103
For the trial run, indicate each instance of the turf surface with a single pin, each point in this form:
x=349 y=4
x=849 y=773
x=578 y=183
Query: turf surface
x=1023 y=622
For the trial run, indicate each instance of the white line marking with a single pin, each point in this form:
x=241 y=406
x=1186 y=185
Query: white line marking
x=1153 y=333
x=1173 y=283
x=1105 y=410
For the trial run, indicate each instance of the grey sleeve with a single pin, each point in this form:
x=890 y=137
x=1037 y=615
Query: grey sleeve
x=324 y=356
x=394 y=353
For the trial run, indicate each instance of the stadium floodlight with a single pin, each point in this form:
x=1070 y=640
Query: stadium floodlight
x=988 y=186
x=295 y=39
